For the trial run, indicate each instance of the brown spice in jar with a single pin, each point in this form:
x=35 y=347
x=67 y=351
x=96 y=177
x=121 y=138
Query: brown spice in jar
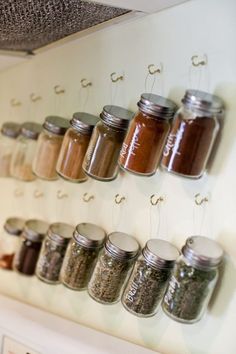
x=188 y=145
x=142 y=149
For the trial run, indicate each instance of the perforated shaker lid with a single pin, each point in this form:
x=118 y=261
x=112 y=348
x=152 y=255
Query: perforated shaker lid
x=201 y=251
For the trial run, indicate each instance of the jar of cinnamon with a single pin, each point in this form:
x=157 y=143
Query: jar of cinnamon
x=74 y=146
x=142 y=148
x=193 y=133
x=48 y=147
x=101 y=159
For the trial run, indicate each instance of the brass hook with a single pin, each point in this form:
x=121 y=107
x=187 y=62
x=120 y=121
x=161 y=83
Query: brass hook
x=15 y=103
x=59 y=90
x=38 y=194
x=196 y=61
x=87 y=198
x=119 y=199
x=61 y=195
x=85 y=83
x=18 y=192
x=154 y=200
x=200 y=201
x=34 y=97
x=154 y=70
x=115 y=78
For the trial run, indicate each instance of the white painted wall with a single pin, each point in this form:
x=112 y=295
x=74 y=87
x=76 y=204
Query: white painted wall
x=170 y=37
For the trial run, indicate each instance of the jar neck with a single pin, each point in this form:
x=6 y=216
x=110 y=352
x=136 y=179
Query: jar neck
x=191 y=112
x=198 y=266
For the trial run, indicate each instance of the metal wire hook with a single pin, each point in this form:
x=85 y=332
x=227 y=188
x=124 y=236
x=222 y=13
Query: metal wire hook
x=115 y=78
x=199 y=200
x=119 y=199
x=34 y=97
x=15 y=103
x=87 y=198
x=196 y=61
x=18 y=192
x=38 y=194
x=152 y=69
x=154 y=200
x=61 y=195
x=59 y=90
x=85 y=83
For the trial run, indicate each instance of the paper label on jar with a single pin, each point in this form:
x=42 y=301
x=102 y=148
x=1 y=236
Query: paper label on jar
x=172 y=286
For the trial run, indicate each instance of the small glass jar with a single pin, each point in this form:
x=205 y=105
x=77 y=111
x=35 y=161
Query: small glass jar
x=9 y=133
x=113 y=267
x=147 y=283
x=143 y=145
x=193 y=133
x=81 y=255
x=22 y=158
x=26 y=257
x=101 y=158
x=193 y=280
x=48 y=147
x=74 y=147
x=9 y=241
x=52 y=252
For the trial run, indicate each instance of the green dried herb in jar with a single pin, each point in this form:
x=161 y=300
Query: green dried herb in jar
x=81 y=255
x=147 y=283
x=193 y=280
x=112 y=268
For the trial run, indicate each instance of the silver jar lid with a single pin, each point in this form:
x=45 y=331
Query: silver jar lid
x=60 y=232
x=122 y=246
x=35 y=230
x=14 y=226
x=84 y=122
x=157 y=106
x=31 y=130
x=89 y=235
x=203 y=101
x=11 y=129
x=56 y=125
x=160 y=253
x=116 y=116
x=202 y=252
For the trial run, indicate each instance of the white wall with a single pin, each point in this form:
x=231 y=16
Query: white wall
x=170 y=37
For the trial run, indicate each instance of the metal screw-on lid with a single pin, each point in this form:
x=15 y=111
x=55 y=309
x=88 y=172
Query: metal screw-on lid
x=202 y=252
x=14 y=226
x=116 y=116
x=60 y=232
x=203 y=101
x=122 y=246
x=56 y=125
x=157 y=106
x=11 y=129
x=84 y=122
x=89 y=235
x=160 y=253
x=31 y=130
x=35 y=230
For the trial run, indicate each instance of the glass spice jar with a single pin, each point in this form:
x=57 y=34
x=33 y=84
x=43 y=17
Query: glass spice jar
x=193 y=280
x=74 y=147
x=52 y=252
x=9 y=241
x=81 y=255
x=147 y=283
x=101 y=158
x=143 y=145
x=22 y=158
x=113 y=267
x=26 y=257
x=193 y=133
x=9 y=132
x=48 y=147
